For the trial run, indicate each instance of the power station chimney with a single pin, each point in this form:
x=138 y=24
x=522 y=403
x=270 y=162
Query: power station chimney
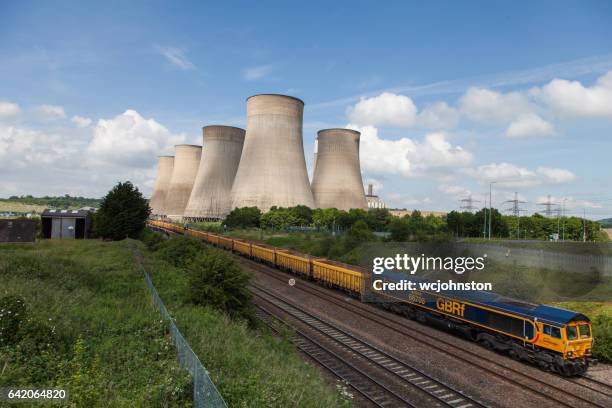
x=162 y=182
x=210 y=196
x=272 y=170
x=337 y=179
x=186 y=163
x=370 y=189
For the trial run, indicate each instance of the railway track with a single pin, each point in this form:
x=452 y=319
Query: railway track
x=355 y=374
x=519 y=378
x=512 y=375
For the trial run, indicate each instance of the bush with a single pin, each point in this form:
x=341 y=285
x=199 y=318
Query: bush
x=216 y=280
x=123 y=213
x=152 y=240
x=602 y=330
x=246 y=217
x=179 y=251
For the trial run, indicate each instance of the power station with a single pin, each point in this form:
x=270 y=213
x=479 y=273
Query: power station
x=162 y=182
x=210 y=197
x=261 y=167
x=185 y=169
x=337 y=182
x=272 y=170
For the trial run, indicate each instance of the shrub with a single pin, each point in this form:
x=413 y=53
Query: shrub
x=123 y=213
x=179 y=251
x=152 y=240
x=12 y=313
x=216 y=280
x=602 y=330
x=246 y=217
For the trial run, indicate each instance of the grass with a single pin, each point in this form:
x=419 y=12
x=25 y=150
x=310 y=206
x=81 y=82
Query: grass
x=249 y=366
x=14 y=206
x=90 y=326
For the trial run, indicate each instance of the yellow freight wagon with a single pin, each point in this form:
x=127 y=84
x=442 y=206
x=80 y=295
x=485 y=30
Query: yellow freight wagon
x=226 y=243
x=294 y=262
x=242 y=247
x=264 y=253
x=338 y=275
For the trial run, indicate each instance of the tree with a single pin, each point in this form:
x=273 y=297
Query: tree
x=245 y=217
x=123 y=213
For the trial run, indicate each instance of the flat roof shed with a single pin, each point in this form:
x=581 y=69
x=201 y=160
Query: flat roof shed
x=65 y=224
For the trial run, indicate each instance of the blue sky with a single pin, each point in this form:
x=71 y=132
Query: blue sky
x=449 y=96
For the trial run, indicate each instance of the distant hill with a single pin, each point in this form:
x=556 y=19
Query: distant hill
x=37 y=204
x=606 y=222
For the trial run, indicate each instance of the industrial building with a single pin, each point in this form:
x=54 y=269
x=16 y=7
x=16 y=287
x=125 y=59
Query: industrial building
x=272 y=169
x=373 y=200
x=210 y=196
x=165 y=165
x=65 y=224
x=337 y=182
x=184 y=172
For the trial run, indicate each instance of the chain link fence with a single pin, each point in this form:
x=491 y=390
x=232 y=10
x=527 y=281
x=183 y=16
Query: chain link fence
x=205 y=394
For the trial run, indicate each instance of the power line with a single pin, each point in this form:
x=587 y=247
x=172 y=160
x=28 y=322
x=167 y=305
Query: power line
x=469 y=203
x=548 y=207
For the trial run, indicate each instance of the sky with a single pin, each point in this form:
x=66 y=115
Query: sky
x=452 y=99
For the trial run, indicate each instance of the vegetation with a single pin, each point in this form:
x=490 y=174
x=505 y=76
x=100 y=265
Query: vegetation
x=250 y=367
x=77 y=315
x=246 y=217
x=63 y=202
x=123 y=213
x=606 y=223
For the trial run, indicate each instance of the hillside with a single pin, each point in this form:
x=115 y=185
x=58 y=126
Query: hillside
x=606 y=222
x=24 y=204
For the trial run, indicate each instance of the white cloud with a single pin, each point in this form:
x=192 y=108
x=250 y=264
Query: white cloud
x=438 y=116
x=512 y=176
x=51 y=112
x=384 y=109
x=81 y=121
x=529 y=124
x=569 y=201
x=9 y=110
x=176 y=56
x=131 y=140
x=433 y=156
x=485 y=105
x=259 y=72
x=573 y=98
x=455 y=191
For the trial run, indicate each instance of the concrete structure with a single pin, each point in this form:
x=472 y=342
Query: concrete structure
x=165 y=164
x=186 y=164
x=210 y=196
x=272 y=170
x=65 y=224
x=337 y=182
x=373 y=200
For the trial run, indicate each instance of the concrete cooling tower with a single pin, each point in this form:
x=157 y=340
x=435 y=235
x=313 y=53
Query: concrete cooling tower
x=186 y=163
x=272 y=170
x=337 y=176
x=162 y=182
x=210 y=196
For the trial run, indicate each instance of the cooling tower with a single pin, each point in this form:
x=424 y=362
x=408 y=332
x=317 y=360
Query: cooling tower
x=337 y=176
x=186 y=163
x=210 y=196
x=272 y=170
x=162 y=182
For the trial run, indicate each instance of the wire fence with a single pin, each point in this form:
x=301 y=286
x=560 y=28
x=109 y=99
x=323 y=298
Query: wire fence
x=205 y=394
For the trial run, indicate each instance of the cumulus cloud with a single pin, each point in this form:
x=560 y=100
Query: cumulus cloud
x=438 y=116
x=259 y=72
x=529 y=124
x=51 y=112
x=512 y=176
x=573 y=98
x=433 y=156
x=9 y=110
x=177 y=57
x=131 y=140
x=81 y=121
x=485 y=105
x=384 y=109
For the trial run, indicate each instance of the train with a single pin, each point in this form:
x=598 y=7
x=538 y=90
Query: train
x=552 y=338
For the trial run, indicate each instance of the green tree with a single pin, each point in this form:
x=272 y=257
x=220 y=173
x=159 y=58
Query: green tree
x=123 y=213
x=245 y=217
x=400 y=229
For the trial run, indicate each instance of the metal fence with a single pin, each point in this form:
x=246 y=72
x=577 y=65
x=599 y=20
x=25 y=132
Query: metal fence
x=561 y=261
x=205 y=394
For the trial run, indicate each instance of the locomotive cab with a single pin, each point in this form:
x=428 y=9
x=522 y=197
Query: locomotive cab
x=578 y=340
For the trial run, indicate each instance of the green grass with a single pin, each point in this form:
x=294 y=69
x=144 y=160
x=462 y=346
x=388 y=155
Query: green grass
x=90 y=327
x=250 y=366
